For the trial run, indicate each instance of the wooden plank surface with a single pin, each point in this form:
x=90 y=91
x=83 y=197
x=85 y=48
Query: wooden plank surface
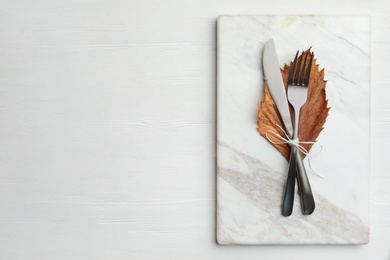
x=107 y=129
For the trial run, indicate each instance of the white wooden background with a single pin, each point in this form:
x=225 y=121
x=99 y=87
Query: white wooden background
x=107 y=129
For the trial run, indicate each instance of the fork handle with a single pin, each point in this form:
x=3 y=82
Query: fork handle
x=307 y=199
x=289 y=191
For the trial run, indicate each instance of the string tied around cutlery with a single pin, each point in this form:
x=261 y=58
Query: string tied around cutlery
x=294 y=142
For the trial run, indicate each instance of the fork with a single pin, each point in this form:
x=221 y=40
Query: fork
x=297 y=94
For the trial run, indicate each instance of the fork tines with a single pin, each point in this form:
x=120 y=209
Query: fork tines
x=297 y=74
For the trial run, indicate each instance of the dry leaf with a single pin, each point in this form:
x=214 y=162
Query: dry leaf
x=312 y=116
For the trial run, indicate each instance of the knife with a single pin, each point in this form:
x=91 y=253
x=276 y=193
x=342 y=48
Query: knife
x=275 y=84
x=296 y=168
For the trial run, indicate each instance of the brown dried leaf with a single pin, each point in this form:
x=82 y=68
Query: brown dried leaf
x=312 y=117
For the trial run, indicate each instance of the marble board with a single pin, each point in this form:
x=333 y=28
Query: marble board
x=251 y=174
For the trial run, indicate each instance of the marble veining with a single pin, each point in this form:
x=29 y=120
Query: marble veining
x=262 y=188
x=251 y=173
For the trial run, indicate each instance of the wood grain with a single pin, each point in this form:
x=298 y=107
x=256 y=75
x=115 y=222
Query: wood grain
x=107 y=129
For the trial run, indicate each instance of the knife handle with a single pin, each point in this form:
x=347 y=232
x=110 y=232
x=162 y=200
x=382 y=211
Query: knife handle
x=289 y=191
x=307 y=199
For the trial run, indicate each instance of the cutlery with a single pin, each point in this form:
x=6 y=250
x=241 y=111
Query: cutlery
x=297 y=89
x=278 y=92
x=275 y=84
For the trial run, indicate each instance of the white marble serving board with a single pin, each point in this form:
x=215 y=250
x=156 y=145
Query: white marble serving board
x=251 y=174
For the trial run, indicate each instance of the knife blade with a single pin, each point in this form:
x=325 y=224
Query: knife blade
x=275 y=84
